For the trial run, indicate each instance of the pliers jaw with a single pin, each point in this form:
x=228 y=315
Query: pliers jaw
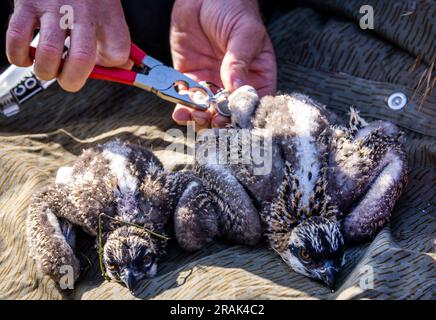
x=167 y=83
x=172 y=85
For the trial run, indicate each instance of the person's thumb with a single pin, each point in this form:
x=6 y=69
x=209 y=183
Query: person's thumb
x=245 y=42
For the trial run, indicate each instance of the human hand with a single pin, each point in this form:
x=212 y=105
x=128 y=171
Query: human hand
x=224 y=42
x=99 y=35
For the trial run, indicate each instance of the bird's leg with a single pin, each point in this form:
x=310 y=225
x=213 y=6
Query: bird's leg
x=48 y=245
x=195 y=216
x=384 y=177
x=242 y=104
x=238 y=218
x=210 y=206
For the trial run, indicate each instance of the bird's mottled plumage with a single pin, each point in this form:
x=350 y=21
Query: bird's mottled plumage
x=128 y=183
x=121 y=180
x=328 y=182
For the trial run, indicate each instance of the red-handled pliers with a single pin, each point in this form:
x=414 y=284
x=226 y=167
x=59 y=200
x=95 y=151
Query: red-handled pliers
x=155 y=77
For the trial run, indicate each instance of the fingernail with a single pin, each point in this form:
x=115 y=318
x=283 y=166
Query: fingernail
x=237 y=83
x=182 y=116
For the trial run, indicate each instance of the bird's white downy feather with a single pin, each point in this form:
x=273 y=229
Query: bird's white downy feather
x=117 y=154
x=64 y=176
x=305 y=124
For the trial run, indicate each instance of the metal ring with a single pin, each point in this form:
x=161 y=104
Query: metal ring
x=397 y=101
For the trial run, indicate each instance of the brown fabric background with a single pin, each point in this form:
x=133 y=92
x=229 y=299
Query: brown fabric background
x=327 y=57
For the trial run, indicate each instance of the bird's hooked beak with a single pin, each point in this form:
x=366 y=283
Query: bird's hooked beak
x=329 y=274
x=129 y=279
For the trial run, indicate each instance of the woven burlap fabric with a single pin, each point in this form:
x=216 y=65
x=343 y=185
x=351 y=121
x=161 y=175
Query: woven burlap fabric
x=330 y=59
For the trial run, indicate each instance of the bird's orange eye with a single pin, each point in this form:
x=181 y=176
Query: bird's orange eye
x=112 y=267
x=304 y=254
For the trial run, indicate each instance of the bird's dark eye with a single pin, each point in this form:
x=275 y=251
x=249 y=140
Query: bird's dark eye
x=304 y=254
x=148 y=259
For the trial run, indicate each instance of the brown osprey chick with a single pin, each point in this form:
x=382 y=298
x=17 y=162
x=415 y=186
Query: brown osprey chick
x=121 y=181
x=328 y=182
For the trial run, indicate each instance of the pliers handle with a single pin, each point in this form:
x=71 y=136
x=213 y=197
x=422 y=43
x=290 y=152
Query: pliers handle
x=155 y=77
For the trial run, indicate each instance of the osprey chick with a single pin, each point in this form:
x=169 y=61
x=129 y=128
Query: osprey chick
x=119 y=180
x=328 y=182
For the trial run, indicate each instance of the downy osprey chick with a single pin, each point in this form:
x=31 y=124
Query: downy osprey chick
x=128 y=184
x=328 y=182
x=120 y=180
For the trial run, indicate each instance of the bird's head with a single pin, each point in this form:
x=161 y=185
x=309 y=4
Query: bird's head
x=315 y=249
x=130 y=255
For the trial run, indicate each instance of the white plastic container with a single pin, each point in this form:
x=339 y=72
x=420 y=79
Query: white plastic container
x=17 y=85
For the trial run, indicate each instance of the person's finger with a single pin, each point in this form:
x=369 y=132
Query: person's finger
x=263 y=71
x=50 y=47
x=19 y=35
x=245 y=42
x=219 y=121
x=182 y=115
x=202 y=119
x=128 y=65
x=113 y=38
x=81 y=56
